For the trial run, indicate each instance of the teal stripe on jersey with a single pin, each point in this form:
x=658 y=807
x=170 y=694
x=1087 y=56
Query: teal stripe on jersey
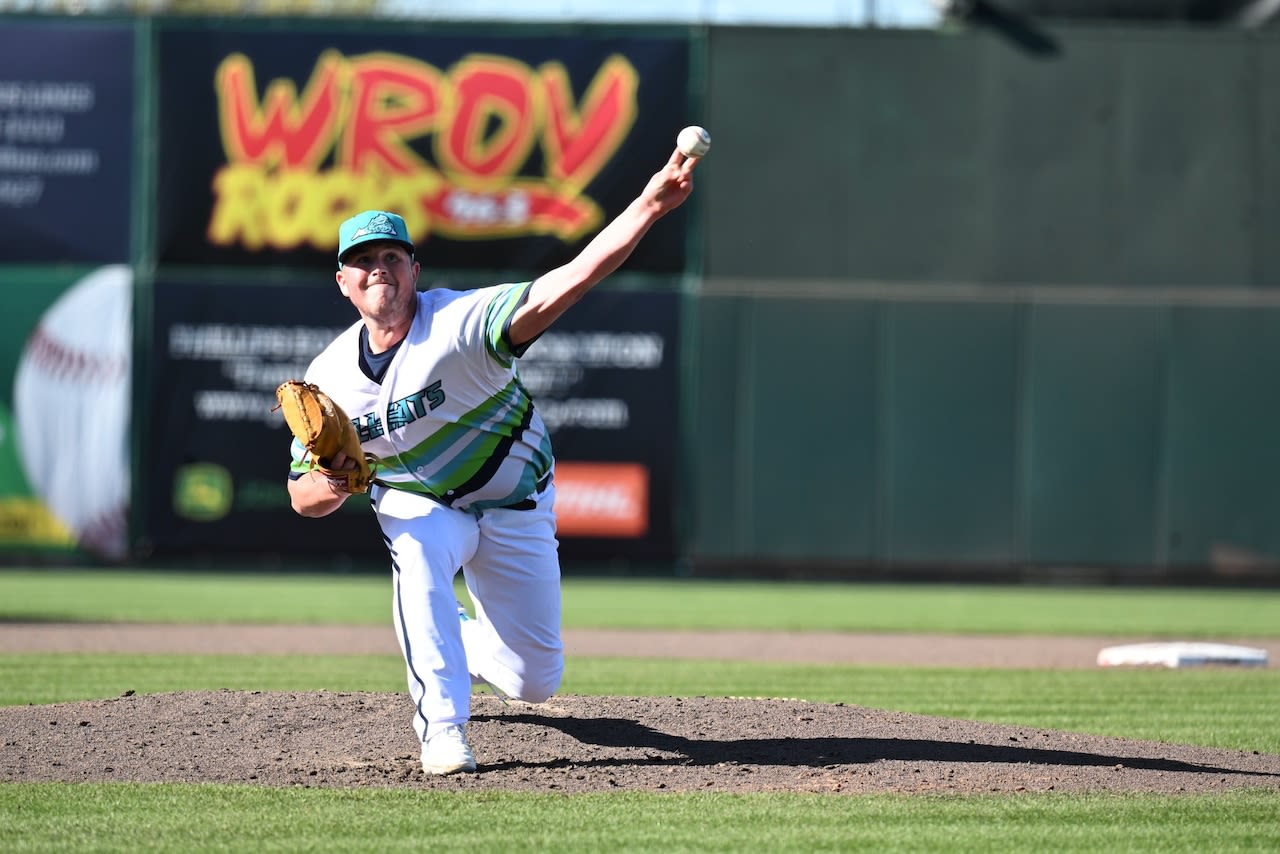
x=502 y=413
x=467 y=463
x=528 y=480
x=493 y=424
x=497 y=314
x=454 y=453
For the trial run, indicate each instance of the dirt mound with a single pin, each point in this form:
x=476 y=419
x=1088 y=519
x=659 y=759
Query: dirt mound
x=591 y=744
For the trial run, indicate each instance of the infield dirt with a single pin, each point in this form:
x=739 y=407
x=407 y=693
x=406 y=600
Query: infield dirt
x=577 y=743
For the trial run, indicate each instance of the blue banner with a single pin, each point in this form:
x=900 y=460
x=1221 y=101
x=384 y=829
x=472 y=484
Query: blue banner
x=66 y=141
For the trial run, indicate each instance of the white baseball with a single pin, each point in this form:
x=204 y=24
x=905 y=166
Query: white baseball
x=694 y=141
x=71 y=402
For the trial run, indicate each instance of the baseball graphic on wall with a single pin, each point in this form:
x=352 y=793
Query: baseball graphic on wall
x=72 y=406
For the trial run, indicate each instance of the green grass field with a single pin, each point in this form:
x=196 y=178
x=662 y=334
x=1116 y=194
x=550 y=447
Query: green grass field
x=1218 y=707
x=177 y=597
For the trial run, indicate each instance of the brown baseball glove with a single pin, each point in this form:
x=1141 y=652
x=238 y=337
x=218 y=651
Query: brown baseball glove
x=324 y=430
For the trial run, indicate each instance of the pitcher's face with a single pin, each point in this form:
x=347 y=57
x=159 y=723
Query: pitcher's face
x=380 y=278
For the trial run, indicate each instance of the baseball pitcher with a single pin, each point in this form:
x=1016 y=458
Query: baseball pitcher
x=419 y=404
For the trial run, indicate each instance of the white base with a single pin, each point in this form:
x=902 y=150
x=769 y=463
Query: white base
x=1181 y=654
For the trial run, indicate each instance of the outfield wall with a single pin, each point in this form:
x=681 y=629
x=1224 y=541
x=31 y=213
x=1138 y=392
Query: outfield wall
x=968 y=305
x=938 y=304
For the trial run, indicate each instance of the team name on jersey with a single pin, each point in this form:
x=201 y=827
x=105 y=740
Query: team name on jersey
x=400 y=413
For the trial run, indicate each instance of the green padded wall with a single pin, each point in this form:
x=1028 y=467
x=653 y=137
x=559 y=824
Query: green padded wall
x=1223 y=423
x=1050 y=282
x=1094 y=396
x=809 y=374
x=785 y=428
x=949 y=433
x=928 y=156
x=714 y=430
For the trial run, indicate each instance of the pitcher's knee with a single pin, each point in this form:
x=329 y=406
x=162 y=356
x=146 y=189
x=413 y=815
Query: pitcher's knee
x=539 y=683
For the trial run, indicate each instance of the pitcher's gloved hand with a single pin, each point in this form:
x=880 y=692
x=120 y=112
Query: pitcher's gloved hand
x=327 y=434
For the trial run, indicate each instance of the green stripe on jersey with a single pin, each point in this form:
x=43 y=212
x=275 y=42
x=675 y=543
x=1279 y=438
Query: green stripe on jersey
x=482 y=429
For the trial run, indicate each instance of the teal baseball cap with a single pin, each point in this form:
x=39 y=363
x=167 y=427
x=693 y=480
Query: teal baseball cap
x=372 y=225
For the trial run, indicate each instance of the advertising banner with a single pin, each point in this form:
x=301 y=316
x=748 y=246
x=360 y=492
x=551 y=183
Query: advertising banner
x=66 y=141
x=501 y=152
x=604 y=380
x=65 y=364
x=218 y=455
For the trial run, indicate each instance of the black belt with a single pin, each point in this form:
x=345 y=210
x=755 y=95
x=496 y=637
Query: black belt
x=529 y=503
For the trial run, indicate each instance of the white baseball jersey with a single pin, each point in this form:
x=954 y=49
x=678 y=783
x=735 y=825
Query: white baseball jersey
x=450 y=418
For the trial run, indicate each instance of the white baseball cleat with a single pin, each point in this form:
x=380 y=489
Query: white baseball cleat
x=447 y=752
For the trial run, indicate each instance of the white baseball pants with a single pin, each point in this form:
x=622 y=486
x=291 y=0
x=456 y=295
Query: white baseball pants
x=511 y=567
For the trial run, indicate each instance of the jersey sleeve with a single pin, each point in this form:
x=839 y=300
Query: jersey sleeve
x=503 y=303
x=301 y=463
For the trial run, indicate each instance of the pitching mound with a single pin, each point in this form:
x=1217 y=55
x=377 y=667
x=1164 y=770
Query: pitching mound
x=591 y=744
